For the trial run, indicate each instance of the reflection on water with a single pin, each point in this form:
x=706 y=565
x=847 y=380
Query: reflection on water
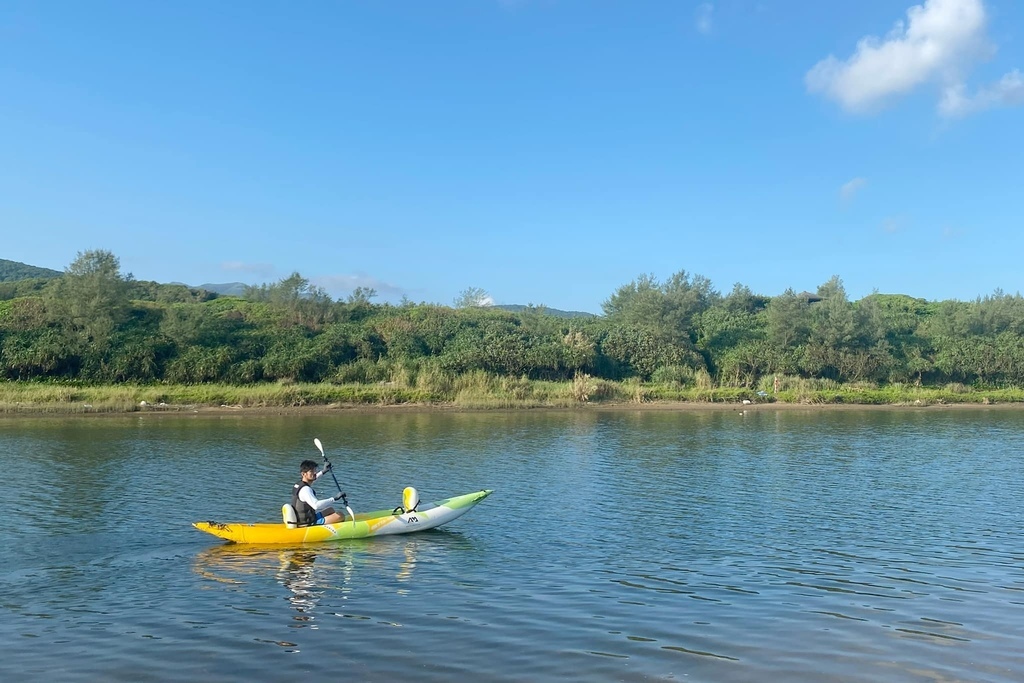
x=296 y=574
x=853 y=546
x=293 y=568
x=309 y=573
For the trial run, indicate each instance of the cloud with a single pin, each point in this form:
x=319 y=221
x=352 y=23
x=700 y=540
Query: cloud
x=939 y=43
x=893 y=224
x=258 y=269
x=704 y=17
x=850 y=189
x=951 y=233
x=340 y=286
x=1006 y=92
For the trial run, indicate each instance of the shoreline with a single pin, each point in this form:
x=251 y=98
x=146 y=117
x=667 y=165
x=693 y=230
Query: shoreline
x=477 y=394
x=55 y=410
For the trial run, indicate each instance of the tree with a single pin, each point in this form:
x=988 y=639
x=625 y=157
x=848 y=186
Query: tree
x=668 y=310
x=473 y=297
x=641 y=301
x=92 y=298
x=788 y=318
x=304 y=303
x=743 y=300
x=361 y=296
x=686 y=298
x=832 y=321
x=637 y=350
x=832 y=343
x=723 y=329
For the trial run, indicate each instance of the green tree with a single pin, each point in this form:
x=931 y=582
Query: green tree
x=362 y=296
x=641 y=302
x=472 y=297
x=91 y=300
x=638 y=351
x=788 y=318
x=668 y=311
x=302 y=303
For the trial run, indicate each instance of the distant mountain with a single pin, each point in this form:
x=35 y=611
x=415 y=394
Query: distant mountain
x=226 y=288
x=11 y=271
x=554 y=312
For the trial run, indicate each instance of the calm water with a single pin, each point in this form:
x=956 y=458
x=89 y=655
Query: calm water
x=796 y=546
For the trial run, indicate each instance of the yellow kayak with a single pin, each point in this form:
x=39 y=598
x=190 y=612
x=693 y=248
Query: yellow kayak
x=379 y=523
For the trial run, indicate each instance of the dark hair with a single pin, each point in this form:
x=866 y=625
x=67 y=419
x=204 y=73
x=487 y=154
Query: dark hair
x=308 y=466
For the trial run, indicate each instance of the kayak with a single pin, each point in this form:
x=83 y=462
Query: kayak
x=365 y=524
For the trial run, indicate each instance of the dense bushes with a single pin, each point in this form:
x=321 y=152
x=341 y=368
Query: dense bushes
x=93 y=324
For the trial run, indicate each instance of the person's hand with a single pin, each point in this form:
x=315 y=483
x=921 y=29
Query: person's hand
x=329 y=467
x=340 y=496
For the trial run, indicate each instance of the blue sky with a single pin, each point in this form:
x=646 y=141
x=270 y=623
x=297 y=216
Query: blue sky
x=547 y=151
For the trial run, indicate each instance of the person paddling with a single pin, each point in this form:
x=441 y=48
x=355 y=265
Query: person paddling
x=310 y=510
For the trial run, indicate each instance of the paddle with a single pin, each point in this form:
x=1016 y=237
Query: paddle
x=344 y=498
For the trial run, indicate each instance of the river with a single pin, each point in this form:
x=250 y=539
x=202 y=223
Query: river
x=732 y=545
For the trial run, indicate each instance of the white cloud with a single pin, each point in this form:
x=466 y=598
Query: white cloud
x=850 y=189
x=258 y=269
x=704 y=17
x=1006 y=92
x=939 y=43
x=893 y=224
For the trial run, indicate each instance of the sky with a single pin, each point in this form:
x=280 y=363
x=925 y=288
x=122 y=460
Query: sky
x=545 y=151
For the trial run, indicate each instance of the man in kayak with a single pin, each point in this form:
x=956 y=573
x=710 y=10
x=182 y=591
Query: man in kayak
x=308 y=508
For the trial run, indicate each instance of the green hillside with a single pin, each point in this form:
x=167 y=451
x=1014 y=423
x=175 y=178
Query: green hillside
x=553 y=312
x=11 y=271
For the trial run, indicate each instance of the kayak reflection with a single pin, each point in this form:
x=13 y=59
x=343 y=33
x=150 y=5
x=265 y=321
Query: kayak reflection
x=297 y=575
x=319 y=579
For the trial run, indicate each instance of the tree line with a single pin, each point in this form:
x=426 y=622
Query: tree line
x=96 y=324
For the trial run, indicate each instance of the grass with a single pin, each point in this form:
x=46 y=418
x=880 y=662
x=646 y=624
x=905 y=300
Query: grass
x=475 y=390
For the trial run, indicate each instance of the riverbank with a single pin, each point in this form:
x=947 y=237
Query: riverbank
x=486 y=393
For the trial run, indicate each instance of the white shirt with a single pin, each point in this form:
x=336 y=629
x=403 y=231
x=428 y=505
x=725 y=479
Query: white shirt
x=308 y=496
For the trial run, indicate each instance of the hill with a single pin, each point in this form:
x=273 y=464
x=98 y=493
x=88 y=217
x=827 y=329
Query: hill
x=225 y=288
x=11 y=271
x=554 y=312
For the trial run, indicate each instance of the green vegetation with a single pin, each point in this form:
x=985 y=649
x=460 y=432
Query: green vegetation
x=11 y=271
x=99 y=338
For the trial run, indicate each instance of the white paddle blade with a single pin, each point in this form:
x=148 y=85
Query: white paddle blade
x=319 y=446
x=351 y=514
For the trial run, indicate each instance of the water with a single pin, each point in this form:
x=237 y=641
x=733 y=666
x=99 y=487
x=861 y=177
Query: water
x=705 y=546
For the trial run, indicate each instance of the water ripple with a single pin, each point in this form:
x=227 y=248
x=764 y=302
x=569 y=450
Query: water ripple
x=874 y=546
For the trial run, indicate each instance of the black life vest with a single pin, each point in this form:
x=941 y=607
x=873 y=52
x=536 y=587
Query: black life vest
x=305 y=514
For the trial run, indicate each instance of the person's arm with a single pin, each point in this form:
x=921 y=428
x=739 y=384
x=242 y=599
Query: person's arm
x=307 y=497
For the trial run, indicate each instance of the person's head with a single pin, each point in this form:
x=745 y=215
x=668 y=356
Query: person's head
x=308 y=469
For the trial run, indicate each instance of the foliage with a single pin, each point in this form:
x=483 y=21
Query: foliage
x=20 y=288
x=90 y=302
x=673 y=339
x=472 y=297
x=11 y=271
